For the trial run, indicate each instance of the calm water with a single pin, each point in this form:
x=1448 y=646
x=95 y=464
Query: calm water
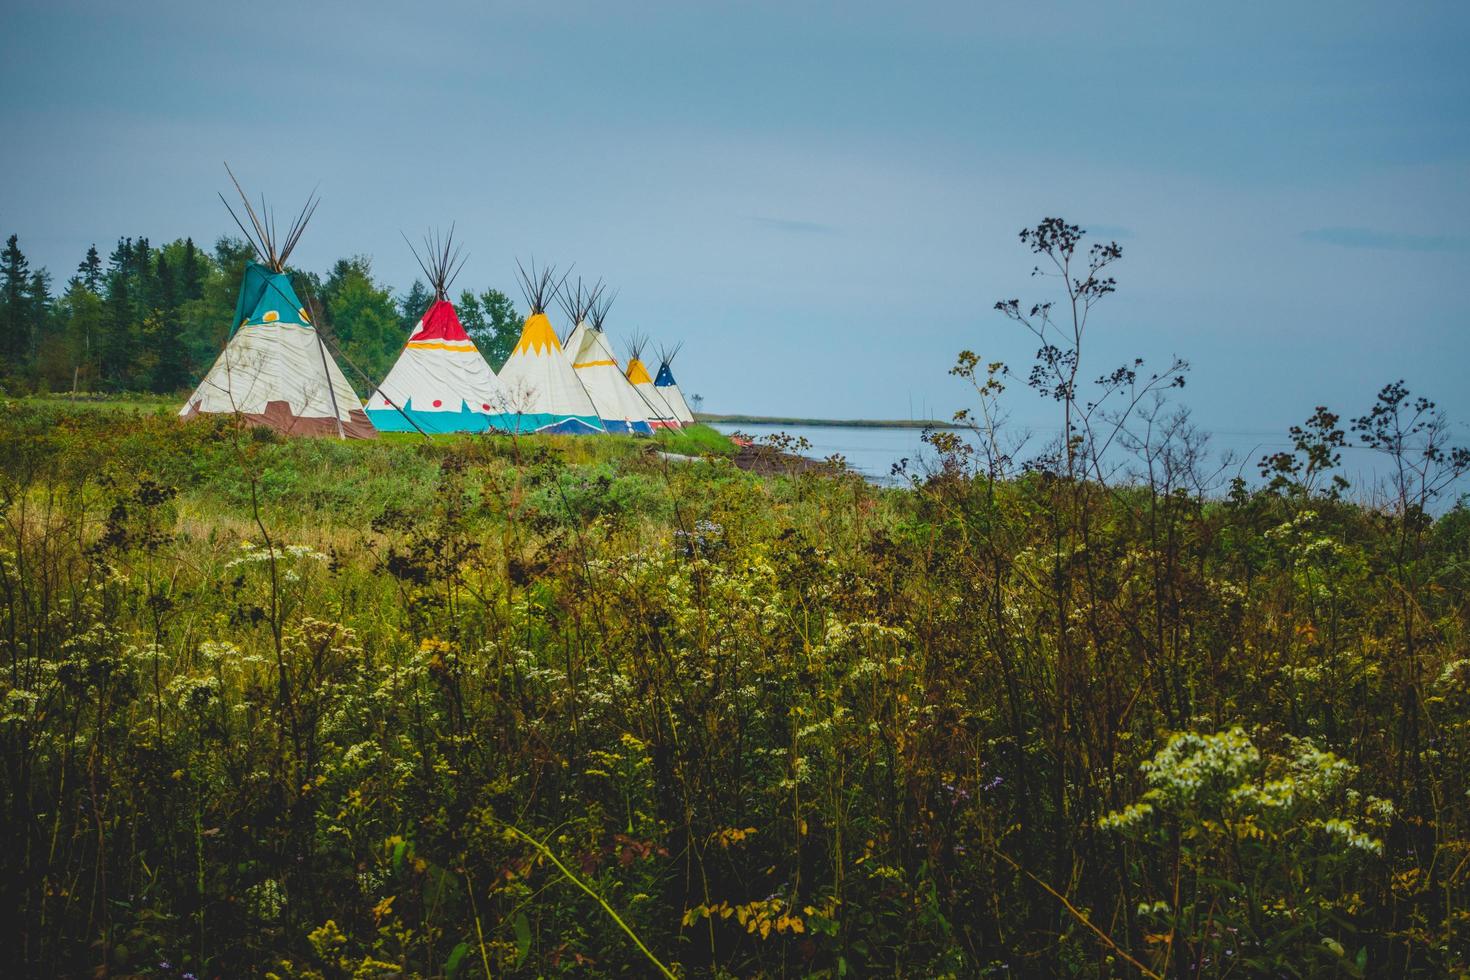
x=873 y=452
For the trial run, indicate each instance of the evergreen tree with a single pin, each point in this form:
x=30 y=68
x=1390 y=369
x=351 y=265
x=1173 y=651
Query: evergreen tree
x=165 y=290
x=492 y=322
x=80 y=318
x=411 y=306
x=145 y=282
x=362 y=317
x=38 y=310
x=504 y=327
x=89 y=270
x=232 y=254
x=169 y=361
x=15 y=282
x=205 y=320
x=115 y=356
x=191 y=276
x=60 y=348
x=471 y=315
x=120 y=262
x=169 y=369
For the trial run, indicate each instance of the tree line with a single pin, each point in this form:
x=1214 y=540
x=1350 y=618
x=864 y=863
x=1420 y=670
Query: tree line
x=152 y=318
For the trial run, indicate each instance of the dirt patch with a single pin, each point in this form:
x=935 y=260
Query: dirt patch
x=766 y=461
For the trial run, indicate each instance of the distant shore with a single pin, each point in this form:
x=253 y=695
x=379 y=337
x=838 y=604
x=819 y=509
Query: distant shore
x=710 y=418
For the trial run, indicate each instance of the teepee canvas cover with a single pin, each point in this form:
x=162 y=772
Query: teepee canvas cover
x=542 y=393
x=576 y=303
x=275 y=370
x=669 y=388
x=617 y=404
x=573 y=343
x=441 y=382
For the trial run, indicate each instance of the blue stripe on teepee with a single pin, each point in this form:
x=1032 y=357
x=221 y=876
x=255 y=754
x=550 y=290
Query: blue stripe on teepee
x=545 y=422
x=622 y=427
x=464 y=420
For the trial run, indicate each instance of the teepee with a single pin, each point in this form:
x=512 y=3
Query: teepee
x=617 y=403
x=666 y=385
x=441 y=382
x=275 y=370
x=659 y=413
x=542 y=393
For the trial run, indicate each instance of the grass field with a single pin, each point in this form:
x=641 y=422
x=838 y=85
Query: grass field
x=473 y=707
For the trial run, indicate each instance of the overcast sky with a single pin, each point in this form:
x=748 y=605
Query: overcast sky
x=820 y=199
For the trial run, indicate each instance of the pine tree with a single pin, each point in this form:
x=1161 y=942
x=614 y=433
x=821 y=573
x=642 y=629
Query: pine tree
x=170 y=361
x=82 y=319
x=120 y=262
x=492 y=322
x=504 y=327
x=166 y=291
x=412 y=306
x=362 y=316
x=471 y=315
x=145 y=283
x=170 y=370
x=89 y=270
x=15 y=281
x=191 y=280
x=116 y=348
x=38 y=310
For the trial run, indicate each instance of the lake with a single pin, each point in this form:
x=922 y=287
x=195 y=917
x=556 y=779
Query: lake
x=873 y=451
x=870 y=451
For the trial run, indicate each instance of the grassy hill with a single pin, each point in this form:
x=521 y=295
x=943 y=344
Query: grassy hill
x=545 y=706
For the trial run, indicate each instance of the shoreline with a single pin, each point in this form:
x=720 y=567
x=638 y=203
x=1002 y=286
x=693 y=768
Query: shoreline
x=709 y=418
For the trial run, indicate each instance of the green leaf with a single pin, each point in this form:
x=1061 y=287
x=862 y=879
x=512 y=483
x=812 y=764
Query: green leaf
x=456 y=960
x=399 y=850
x=523 y=939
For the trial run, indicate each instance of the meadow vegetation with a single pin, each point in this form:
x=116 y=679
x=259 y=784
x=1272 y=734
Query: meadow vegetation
x=326 y=709
x=538 y=707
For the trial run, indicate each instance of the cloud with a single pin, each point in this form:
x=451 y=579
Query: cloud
x=1386 y=240
x=795 y=227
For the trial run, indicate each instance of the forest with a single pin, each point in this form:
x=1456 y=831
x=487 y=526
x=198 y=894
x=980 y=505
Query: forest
x=546 y=706
x=153 y=318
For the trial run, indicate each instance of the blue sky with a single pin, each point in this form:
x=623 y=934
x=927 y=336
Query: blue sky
x=820 y=199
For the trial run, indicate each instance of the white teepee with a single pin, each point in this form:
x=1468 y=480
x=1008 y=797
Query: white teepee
x=668 y=387
x=275 y=369
x=619 y=406
x=542 y=393
x=441 y=382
